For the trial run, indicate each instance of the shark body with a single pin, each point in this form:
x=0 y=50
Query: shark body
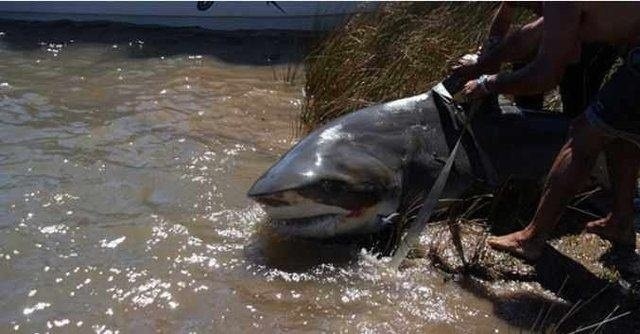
x=349 y=174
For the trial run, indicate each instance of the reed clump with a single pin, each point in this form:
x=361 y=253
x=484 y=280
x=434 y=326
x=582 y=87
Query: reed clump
x=401 y=49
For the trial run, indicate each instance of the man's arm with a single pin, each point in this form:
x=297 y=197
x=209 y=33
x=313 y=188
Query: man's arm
x=501 y=21
x=522 y=43
x=519 y=45
x=560 y=45
x=503 y=17
x=498 y=29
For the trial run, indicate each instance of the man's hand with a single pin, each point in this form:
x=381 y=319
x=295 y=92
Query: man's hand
x=473 y=65
x=465 y=71
x=467 y=67
x=478 y=88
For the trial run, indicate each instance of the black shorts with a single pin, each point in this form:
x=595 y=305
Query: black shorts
x=616 y=109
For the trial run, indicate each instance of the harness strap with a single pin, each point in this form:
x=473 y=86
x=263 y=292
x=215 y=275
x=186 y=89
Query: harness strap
x=458 y=117
x=412 y=235
x=489 y=171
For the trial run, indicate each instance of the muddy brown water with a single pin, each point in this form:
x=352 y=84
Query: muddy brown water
x=125 y=155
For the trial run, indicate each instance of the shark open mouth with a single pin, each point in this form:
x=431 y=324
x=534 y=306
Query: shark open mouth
x=293 y=222
x=314 y=226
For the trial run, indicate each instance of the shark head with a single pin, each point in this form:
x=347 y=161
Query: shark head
x=348 y=175
x=333 y=182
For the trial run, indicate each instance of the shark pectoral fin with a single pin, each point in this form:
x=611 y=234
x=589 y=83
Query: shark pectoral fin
x=415 y=142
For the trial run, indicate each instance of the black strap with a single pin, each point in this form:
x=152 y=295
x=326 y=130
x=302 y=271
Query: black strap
x=489 y=171
x=425 y=212
x=478 y=158
x=412 y=235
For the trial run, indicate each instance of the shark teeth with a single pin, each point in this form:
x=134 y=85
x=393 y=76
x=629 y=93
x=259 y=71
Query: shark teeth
x=315 y=227
x=302 y=221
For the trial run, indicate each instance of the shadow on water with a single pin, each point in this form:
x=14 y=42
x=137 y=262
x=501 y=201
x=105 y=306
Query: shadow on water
x=299 y=255
x=581 y=299
x=258 y=48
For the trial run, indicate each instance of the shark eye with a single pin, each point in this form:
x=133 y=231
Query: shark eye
x=340 y=193
x=371 y=188
x=333 y=186
x=368 y=187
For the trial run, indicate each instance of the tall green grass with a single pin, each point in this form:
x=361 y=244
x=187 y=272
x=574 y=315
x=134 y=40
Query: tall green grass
x=399 y=50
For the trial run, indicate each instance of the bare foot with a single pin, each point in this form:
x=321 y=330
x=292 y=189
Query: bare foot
x=520 y=244
x=614 y=230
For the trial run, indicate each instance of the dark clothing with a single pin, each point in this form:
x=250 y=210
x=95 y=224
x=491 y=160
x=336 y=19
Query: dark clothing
x=581 y=80
x=616 y=109
x=533 y=102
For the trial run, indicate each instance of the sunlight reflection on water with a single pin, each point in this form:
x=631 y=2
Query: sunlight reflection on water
x=123 y=205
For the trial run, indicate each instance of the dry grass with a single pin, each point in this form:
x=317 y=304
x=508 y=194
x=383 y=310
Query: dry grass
x=400 y=50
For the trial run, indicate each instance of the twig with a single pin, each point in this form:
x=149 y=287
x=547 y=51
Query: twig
x=566 y=316
x=584 y=212
x=606 y=320
x=577 y=309
x=454 y=229
x=550 y=307
x=581 y=197
x=607 y=317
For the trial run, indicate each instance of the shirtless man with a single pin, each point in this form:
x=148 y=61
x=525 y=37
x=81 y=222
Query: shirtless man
x=581 y=79
x=611 y=123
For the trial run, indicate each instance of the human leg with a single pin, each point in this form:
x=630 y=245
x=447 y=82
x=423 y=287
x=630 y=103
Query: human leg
x=614 y=114
x=570 y=170
x=623 y=158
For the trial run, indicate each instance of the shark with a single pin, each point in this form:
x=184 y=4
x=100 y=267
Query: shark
x=350 y=175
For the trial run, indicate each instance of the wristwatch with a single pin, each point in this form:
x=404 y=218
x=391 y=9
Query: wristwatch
x=482 y=82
